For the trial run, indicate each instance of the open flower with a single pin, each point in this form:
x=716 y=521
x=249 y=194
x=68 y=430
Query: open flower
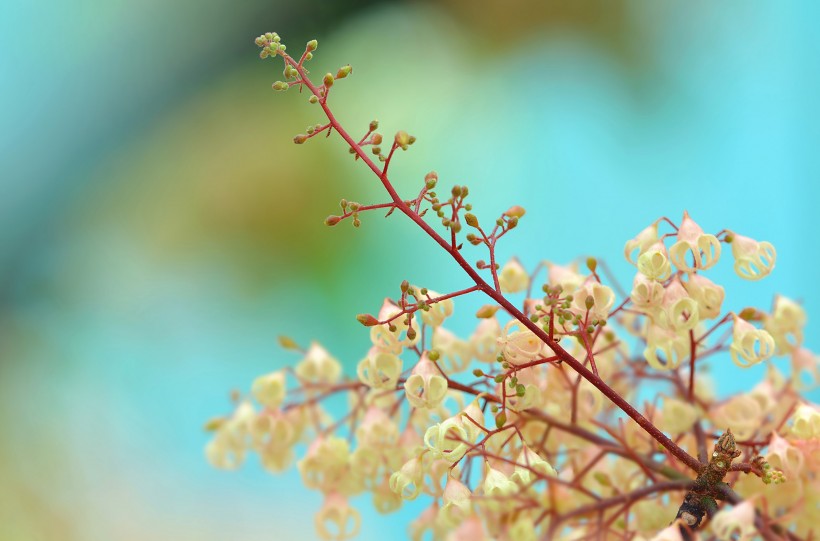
x=513 y=278
x=679 y=311
x=654 y=263
x=454 y=354
x=457 y=503
x=337 y=512
x=438 y=311
x=426 y=387
x=702 y=249
x=603 y=298
x=735 y=523
x=389 y=340
x=520 y=346
x=641 y=243
x=708 y=295
x=379 y=370
x=646 y=294
x=409 y=480
x=786 y=324
x=753 y=260
x=665 y=349
x=269 y=390
x=484 y=340
x=318 y=366
x=749 y=344
x=448 y=439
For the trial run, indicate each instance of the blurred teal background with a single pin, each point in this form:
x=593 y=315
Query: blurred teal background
x=158 y=228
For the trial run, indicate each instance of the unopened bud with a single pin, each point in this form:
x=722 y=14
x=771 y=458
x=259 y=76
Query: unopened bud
x=288 y=343
x=430 y=180
x=592 y=264
x=344 y=71
x=500 y=419
x=402 y=139
x=405 y=285
x=332 y=220
x=433 y=355
x=312 y=45
x=589 y=302
x=411 y=333
x=376 y=139
x=367 y=320
x=280 y=85
x=328 y=80
x=515 y=211
x=299 y=139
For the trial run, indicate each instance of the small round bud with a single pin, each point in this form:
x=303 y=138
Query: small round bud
x=377 y=139
x=515 y=211
x=433 y=355
x=309 y=56
x=344 y=71
x=520 y=390
x=313 y=99
x=592 y=264
x=430 y=180
x=376 y=150
x=299 y=139
x=332 y=220
x=499 y=378
x=280 y=85
x=328 y=80
x=312 y=45
x=456 y=191
x=589 y=302
x=500 y=419
x=402 y=139
x=478 y=372
x=411 y=333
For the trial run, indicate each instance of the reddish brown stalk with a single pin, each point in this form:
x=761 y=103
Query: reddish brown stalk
x=493 y=293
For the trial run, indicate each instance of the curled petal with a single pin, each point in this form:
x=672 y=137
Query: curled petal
x=753 y=260
x=750 y=345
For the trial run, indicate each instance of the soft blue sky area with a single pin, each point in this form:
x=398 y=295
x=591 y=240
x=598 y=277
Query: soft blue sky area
x=117 y=343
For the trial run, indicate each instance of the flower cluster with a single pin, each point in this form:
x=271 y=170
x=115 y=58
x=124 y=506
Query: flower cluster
x=517 y=431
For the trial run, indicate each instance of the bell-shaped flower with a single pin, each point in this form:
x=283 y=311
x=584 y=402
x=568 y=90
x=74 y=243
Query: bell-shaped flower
x=523 y=529
x=641 y=243
x=679 y=311
x=646 y=294
x=670 y=533
x=409 y=480
x=708 y=295
x=454 y=354
x=336 y=520
x=665 y=349
x=565 y=276
x=530 y=466
x=380 y=369
x=735 y=523
x=749 y=344
x=703 y=250
x=786 y=324
x=603 y=298
x=438 y=312
x=230 y=442
x=484 y=340
x=318 y=366
x=448 y=440
x=269 y=390
x=377 y=430
x=426 y=387
x=806 y=422
x=325 y=463
x=782 y=455
x=496 y=484
x=742 y=412
x=654 y=263
x=457 y=503
x=513 y=278
x=806 y=369
x=520 y=346
x=677 y=416
x=385 y=501
x=471 y=529
x=753 y=260
x=389 y=340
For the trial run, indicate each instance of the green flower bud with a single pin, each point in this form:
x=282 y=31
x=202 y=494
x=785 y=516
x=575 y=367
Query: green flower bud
x=344 y=71
x=328 y=80
x=312 y=45
x=471 y=220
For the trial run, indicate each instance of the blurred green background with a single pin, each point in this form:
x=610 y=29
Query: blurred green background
x=158 y=228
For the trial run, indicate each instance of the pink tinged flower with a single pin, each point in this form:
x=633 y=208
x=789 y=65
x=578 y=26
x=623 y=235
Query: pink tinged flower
x=786 y=324
x=438 y=311
x=396 y=340
x=457 y=503
x=806 y=368
x=735 y=523
x=513 y=278
x=484 y=340
x=455 y=354
x=520 y=346
x=708 y=295
x=654 y=263
x=470 y=530
x=336 y=520
x=646 y=294
x=377 y=430
x=603 y=300
x=426 y=387
x=318 y=366
x=806 y=422
x=448 y=440
x=695 y=246
x=680 y=311
x=496 y=484
x=565 y=276
x=753 y=260
x=641 y=243
x=784 y=456
x=269 y=390
x=749 y=344
x=409 y=480
x=379 y=370
x=530 y=466
x=665 y=349
x=670 y=533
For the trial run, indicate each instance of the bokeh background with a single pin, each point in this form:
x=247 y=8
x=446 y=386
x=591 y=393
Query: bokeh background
x=158 y=229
